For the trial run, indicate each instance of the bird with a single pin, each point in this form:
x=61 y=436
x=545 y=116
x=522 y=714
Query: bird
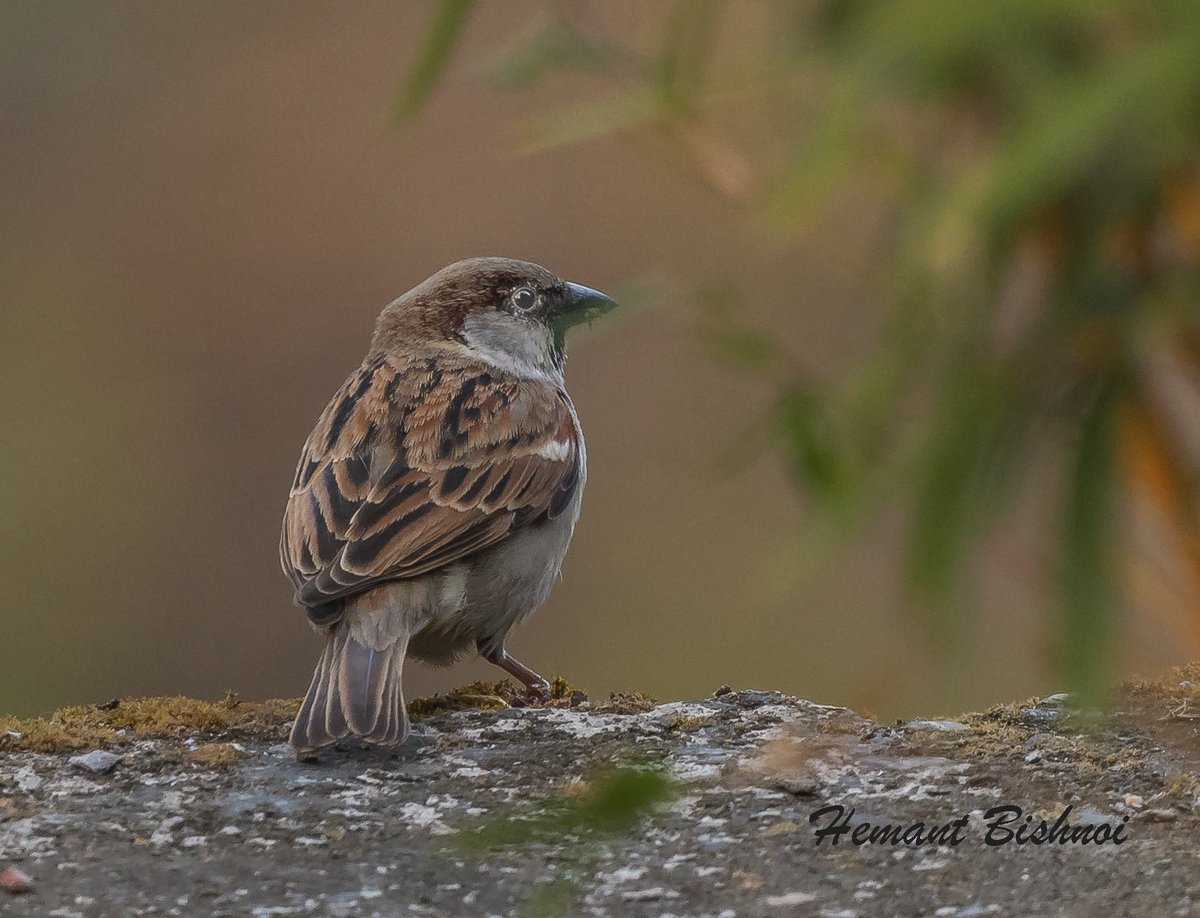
x=437 y=493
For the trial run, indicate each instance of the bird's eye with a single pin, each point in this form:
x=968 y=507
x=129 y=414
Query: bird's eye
x=524 y=299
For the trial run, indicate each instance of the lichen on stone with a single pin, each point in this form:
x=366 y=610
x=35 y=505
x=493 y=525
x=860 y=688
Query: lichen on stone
x=625 y=703
x=123 y=720
x=213 y=755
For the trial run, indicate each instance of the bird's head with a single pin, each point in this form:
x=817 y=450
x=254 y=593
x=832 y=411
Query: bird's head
x=513 y=314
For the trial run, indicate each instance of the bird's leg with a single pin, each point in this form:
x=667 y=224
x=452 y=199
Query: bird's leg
x=537 y=688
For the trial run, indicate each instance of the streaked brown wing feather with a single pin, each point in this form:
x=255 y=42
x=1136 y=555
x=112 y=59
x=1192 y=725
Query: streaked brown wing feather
x=414 y=466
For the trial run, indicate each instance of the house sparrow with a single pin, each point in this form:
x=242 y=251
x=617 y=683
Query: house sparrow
x=436 y=496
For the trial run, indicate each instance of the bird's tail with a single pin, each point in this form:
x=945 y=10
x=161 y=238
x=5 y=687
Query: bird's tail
x=355 y=690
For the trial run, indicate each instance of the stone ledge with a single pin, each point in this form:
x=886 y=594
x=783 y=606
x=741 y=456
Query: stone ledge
x=625 y=808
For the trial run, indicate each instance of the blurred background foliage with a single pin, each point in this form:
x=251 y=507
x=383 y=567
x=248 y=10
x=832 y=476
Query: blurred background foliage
x=1035 y=168
x=902 y=414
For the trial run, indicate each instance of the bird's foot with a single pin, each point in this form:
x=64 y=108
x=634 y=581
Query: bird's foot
x=536 y=694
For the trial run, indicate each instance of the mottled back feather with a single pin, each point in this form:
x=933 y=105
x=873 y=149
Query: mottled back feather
x=420 y=462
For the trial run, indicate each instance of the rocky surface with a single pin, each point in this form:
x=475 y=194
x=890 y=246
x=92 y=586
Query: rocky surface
x=624 y=808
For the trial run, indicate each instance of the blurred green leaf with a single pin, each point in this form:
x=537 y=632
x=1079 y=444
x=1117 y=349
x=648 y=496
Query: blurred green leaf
x=807 y=437
x=432 y=60
x=687 y=47
x=615 y=802
x=1088 y=118
x=965 y=472
x=546 y=45
x=1089 y=578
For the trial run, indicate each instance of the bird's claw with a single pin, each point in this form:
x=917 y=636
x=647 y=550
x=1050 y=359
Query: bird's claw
x=536 y=694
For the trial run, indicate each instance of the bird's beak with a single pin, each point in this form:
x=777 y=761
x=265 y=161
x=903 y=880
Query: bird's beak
x=583 y=304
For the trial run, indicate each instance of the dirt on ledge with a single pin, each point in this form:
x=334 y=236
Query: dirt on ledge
x=725 y=806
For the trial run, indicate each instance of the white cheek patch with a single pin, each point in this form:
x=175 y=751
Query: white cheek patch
x=512 y=345
x=555 y=450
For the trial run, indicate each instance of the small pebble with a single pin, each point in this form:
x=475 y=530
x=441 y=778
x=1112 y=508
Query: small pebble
x=1040 y=715
x=751 y=698
x=15 y=881
x=789 y=898
x=975 y=910
x=1057 y=700
x=944 y=726
x=648 y=895
x=931 y=864
x=98 y=762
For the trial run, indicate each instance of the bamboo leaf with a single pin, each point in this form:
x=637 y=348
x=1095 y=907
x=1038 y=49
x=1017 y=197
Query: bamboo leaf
x=432 y=60
x=946 y=505
x=1088 y=584
x=546 y=45
x=810 y=444
x=1084 y=119
x=686 y=51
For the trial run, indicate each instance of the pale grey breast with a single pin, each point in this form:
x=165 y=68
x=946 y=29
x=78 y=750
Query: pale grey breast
x=507 y=583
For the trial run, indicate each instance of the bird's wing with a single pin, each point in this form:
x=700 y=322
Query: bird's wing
x=415 y=465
